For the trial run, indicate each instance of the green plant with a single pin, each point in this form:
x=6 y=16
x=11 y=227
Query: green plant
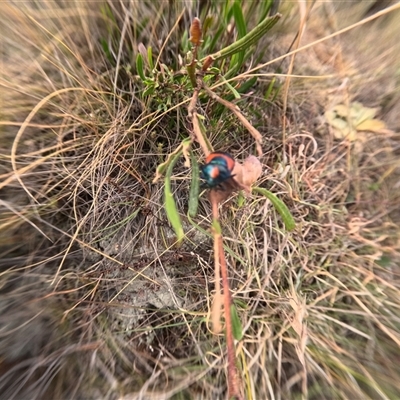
x=88 y=256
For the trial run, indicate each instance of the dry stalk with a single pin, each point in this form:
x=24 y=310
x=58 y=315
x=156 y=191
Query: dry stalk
x=217 y=302
x=236 y=110
x=192 y=113
x=304 y=12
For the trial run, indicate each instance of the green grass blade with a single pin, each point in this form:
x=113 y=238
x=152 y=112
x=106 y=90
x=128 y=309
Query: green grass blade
x=149 y=90
x=139 y=67
x=238 y=59
x=245 y=86
x=106 y=49
x=236 y=324
x=239 y=19
x=194 y=187
x=191 y=69
x=280 y=206
x=150 y=57
x=207 y=24
x=170 y=205
x=269 y=88
x=226 y=11
x=235 y=93
x=266 y=7
x=277 y=89
x=215 y=39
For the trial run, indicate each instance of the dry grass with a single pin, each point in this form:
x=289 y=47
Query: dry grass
x=97 y=302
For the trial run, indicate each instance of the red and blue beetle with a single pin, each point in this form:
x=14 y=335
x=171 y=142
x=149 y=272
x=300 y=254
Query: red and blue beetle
x=217 y=169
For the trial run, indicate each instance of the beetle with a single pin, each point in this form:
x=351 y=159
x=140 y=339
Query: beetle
x=217 y=169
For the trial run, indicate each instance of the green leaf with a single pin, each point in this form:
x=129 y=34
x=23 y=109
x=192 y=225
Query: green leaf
x=239 y=19
x=277 y=88
x=191 y=69
x=150 y=57
x=251 y=38
x=374 y=187
x=280 y=206
x=106 y=49
x=266 y=7
x=207 y=24
x=216 y=38
x=236 y=324
x=194 y=187
x=245 y=86
x=226 y=11
x=139 y=67
x=232 y=89
x=237 y=59
x=241 y=199
x=185 y=44
x=241 y=303
x=384 y=261
x=170 y=205
x=269 y=89
x=149 y=90
x=164 y=166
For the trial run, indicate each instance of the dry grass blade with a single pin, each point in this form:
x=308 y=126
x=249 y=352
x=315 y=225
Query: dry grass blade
x=96 y=299
x=235 y=110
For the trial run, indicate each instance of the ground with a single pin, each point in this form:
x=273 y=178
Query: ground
x=98 y=300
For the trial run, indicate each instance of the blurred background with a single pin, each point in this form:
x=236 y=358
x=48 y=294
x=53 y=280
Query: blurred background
x=96 y=299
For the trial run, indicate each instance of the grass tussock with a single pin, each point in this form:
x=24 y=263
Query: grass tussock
x=97 y=301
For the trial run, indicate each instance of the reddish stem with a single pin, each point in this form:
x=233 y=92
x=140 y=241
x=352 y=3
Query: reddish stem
x=233 y=379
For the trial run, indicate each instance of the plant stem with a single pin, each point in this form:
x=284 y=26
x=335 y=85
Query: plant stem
x=233 y=379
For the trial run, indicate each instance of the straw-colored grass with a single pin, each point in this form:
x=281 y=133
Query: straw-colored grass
x=96 y=299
